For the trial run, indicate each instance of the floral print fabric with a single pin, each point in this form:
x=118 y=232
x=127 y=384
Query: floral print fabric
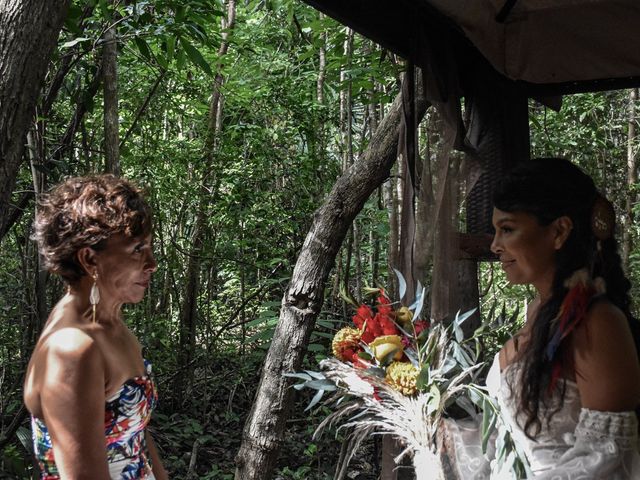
x=127 y=413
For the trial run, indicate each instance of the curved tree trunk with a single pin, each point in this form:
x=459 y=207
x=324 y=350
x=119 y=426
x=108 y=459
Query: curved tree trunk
x=302 y=301
x=28 y=33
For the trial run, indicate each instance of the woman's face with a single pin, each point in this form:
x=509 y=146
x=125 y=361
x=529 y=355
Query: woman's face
x=525 y=248
x=124 y=268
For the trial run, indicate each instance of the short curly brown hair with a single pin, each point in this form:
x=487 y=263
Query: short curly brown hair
x=85 y=212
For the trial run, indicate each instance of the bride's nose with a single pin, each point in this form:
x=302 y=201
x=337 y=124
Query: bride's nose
x=496 y=245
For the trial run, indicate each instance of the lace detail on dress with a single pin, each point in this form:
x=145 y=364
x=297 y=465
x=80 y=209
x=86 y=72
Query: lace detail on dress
x=605 y=448
x=127 y=414
x=575 y=444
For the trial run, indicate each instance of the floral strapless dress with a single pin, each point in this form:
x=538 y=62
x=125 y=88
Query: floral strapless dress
x=127 y=413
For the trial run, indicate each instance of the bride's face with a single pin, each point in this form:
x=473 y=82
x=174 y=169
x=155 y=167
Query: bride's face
x=525 y=248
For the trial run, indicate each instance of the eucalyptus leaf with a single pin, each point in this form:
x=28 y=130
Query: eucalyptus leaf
x=419 y=301
x=488 y=423
x=321 y=385
x=466 y=405
x=314 y=401
x=316 y=375
x=301 y=376
x=460 y=318
x=402 y=284
x=365 y=356
x=412 y=356
x=448 y=365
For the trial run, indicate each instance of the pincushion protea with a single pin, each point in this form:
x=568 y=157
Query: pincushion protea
x=346 y=343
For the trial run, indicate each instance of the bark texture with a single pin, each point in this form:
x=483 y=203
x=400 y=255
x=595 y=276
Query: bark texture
x=29 y=30
x=632 y=179
x=303 y=299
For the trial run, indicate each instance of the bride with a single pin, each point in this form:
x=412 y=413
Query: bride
x=568 y=383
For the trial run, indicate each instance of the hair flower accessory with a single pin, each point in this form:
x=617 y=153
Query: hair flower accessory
x=582 y=291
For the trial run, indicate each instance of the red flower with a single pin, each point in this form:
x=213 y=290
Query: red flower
x=420 y=326
x=385 y=316
x=364 y=314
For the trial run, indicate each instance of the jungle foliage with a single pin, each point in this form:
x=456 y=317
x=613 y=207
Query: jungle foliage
x=301 y=98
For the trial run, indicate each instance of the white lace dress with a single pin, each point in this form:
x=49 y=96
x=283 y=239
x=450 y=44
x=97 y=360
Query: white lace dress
x=577 y=443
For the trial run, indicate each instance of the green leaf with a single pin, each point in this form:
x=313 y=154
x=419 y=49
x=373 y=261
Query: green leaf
x=423 y=378
x=143 y=47
x=195 y=56
x=488 y=423
x=171 y=47
x=434 y=402
x=365 y=356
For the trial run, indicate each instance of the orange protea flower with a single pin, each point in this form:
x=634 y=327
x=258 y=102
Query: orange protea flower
x=346 y=343
x=403 y=377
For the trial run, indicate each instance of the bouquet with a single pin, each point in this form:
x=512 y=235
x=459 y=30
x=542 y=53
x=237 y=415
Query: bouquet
x=393 y=372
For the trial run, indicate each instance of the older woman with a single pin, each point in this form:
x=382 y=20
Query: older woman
x=568 y=383
x=87 y=386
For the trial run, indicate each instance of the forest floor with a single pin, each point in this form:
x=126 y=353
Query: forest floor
x=209 y=424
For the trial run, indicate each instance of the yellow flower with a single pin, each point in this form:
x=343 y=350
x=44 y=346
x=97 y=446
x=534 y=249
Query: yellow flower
x=402 y=376
x=404 y=316
x=383 y=346
x=346 y=342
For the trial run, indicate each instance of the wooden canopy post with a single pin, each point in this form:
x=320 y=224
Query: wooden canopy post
x=498 y=132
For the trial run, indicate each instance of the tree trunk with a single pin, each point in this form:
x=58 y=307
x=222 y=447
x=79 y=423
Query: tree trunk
x=301 y=304
x=28 y=33
x=39 y=186
x=208 y=183
x=632 y=179
x=322 y=64
x=64 y=145
x=110 y=86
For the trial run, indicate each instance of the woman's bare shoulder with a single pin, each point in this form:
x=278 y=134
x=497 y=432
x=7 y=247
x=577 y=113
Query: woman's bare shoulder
x=606 y=361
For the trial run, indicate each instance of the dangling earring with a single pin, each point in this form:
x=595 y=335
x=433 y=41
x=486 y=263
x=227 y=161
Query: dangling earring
x=94 y=296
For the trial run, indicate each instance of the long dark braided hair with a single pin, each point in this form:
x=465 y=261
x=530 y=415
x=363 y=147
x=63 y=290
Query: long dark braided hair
x=549 y=188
